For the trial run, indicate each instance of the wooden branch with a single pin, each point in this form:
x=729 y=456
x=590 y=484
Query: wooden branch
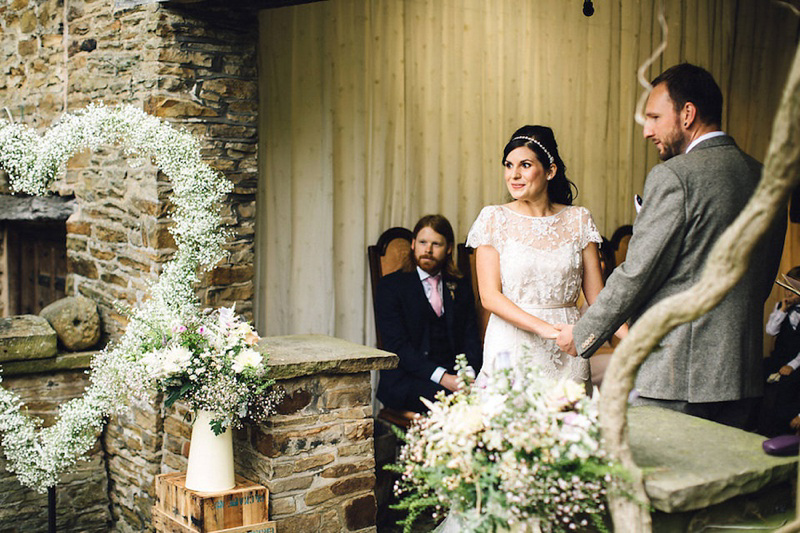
x=725 y=266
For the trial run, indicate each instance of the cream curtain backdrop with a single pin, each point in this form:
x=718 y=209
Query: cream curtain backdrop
x=376 y=112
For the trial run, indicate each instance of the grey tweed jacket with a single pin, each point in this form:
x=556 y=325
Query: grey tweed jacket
x=689 y=200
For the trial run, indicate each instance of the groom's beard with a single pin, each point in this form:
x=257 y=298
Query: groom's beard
x=672 y=145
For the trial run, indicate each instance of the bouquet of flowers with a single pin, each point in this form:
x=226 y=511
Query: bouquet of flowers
x=523 y=451
x=208 y=361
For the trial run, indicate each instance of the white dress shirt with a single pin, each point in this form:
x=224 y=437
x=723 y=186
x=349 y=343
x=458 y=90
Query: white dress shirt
x=709 y=135
x=436 y=377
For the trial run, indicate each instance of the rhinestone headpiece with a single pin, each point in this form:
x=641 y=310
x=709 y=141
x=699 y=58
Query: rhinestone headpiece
x=537 y=143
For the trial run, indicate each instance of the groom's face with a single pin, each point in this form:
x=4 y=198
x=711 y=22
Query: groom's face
x=662 y=123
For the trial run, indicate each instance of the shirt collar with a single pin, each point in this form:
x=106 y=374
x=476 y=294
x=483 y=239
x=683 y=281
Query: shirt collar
x=424 y=275
x=705 y=136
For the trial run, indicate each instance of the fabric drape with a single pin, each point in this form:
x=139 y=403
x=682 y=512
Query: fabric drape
x=376 y=112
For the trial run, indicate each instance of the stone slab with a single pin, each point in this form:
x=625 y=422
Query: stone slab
x=36 y=207
x=690 y=463
x=301 y=355
x=62 y=361
x=26 y=337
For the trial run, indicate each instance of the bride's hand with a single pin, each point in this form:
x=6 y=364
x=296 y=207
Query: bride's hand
x=549 y=331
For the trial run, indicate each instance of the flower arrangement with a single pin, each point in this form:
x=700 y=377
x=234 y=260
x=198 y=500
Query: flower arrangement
x=209 y=362
x=214 y=350
x=523 y=452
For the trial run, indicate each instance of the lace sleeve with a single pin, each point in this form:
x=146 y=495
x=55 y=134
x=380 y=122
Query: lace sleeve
x=484 y=229
x=589 y=232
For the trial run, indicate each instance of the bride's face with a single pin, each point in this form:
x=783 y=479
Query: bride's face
x=525 y=176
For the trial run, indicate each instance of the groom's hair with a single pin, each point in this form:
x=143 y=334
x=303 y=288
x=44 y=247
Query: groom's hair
x=690 y=83
x=440 y=225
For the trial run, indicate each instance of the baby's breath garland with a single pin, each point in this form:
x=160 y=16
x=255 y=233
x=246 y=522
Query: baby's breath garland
x=39 y=456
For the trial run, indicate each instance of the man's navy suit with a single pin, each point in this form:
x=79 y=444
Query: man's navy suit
x=421 y=340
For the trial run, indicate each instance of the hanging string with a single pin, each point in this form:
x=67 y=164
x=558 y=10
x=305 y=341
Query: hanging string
x=643 y=81
x=786 y=4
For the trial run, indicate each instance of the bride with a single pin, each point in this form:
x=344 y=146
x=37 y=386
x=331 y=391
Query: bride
x=533 y=257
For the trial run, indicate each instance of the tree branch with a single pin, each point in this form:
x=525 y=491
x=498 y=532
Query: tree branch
x=725 y=266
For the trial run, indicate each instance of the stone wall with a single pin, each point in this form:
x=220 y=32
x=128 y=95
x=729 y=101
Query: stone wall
x=316 y=455
x=196 y=69
x=82 y=496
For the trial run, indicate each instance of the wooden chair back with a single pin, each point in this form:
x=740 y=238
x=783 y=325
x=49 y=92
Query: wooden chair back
x=608 y=261
x=387 y=255
x=619 y=243
x=465 y=261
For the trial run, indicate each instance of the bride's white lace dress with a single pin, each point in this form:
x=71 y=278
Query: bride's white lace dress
x=541 y=267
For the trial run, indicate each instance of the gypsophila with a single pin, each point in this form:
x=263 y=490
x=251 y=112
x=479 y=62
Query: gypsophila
x=151 y=354
x=522 y=450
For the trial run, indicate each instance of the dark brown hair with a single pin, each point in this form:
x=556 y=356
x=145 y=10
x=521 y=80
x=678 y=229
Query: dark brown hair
x=690 y=83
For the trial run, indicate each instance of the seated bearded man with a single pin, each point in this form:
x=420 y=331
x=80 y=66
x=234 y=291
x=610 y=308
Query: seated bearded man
x=426 y=315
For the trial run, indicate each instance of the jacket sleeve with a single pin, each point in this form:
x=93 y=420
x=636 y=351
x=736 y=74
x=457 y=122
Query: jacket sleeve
x=654 y=247
x=395 y=326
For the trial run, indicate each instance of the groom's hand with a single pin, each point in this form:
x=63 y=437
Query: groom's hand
x=565 y=341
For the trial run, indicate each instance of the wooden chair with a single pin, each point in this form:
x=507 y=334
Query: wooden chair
x=465 y=261
x=388 y=255
x=608 y=261
x=619 y=243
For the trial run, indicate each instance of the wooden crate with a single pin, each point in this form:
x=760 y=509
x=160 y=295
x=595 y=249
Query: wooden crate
x=243 y=506
x=164 y=524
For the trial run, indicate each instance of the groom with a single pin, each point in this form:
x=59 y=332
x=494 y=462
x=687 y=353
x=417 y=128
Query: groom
x=709 y=367
x=426 y=315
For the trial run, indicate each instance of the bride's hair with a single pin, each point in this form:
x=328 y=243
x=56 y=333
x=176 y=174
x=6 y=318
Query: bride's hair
x=542 y=142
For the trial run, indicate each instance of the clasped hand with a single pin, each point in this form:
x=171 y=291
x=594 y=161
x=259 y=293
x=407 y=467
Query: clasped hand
x=564 y=339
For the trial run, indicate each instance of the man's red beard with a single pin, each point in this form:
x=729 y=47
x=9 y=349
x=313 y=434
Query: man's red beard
x=437 y=265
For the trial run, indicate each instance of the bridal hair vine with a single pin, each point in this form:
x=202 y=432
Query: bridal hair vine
x=537 y=143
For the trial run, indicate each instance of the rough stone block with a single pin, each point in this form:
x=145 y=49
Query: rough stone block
x=303 y=522
x=315 y=461
x=293 y=402
x=360 y=512
x=690 y=463
x=75 y=320
x=319 y=495
x=282 y=506
x=353 y=484
x=26 y=337
x=346 y=469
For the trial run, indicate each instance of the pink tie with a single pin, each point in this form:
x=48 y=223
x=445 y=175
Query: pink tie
x=435 y=298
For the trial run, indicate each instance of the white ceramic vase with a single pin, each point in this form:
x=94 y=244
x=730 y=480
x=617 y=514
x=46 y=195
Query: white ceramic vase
x=210 y=466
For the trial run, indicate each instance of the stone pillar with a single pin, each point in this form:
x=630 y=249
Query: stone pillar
x=316 y=455
x=82 y=495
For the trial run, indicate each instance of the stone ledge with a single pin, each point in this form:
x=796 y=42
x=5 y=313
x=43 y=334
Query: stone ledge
x=293 y=356
x=62 y=361
x=690 y=463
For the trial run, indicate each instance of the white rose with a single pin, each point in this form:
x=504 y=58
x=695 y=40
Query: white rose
x=176 y=359
x=246 y=357
x=153 y=365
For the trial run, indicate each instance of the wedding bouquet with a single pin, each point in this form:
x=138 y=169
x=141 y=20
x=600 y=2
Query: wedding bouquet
x=523 y=450
x=208 y=361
